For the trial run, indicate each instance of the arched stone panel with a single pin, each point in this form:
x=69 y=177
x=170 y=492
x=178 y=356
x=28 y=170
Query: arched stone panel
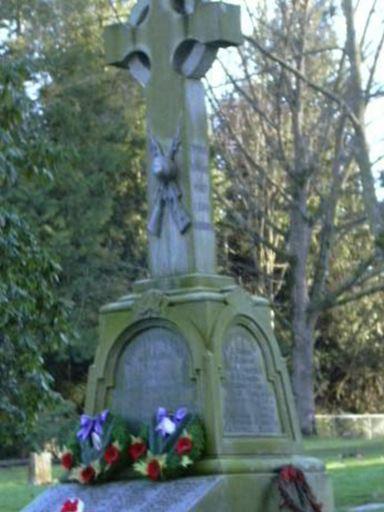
x=249 y=398
x=154 y=369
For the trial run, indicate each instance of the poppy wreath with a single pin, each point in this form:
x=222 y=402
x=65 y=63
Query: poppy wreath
x=98 y=451
x=104 y=446
x=175 y=442
x=296 y=494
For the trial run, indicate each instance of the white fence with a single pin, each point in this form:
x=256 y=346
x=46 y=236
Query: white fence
x=368 y=426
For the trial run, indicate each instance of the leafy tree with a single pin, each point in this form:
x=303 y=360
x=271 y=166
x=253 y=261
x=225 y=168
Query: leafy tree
x=33 y=321
x=349 y=357
x=91 y=216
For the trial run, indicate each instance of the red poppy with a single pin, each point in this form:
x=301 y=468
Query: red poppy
x=111 y=455
x=87 y=475
x=290 y=474
x=67 y=460
x=137 y=450
x=183 y=446
x=70 y=506
x=154 y=469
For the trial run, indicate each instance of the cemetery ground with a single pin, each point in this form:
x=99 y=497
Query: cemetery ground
x=356 y=467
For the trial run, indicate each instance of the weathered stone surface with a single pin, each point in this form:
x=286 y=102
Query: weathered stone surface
x=252 y=492
x=249 y=400
x=154 y=370
x=40 y=468
x=168 y=47
x=136 y=496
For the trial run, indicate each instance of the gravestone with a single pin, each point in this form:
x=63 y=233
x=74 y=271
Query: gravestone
x=40 y=468
x=188 y=336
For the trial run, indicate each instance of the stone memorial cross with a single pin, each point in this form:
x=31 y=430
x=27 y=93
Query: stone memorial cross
x=168 y=46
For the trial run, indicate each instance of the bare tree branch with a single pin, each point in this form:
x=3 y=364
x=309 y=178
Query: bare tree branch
x=362 y=156
x=247 y=156
x=115 y=11
x=367 y=23
x=328 y=94
x=372 y=72
x=356 y=296
x=255 y=237
x=352 y=280
x=330 y=208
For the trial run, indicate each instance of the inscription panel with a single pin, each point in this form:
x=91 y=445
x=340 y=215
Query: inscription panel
x=153 y=370
x=249 y=400
x=200 y=187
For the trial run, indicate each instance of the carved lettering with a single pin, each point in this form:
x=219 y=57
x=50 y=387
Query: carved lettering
x=203 y=226
x=249 y=401
x=201 y=187
x=202 y=207
x=199 y=158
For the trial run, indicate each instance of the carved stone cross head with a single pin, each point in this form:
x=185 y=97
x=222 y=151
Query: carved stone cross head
x=185 y=34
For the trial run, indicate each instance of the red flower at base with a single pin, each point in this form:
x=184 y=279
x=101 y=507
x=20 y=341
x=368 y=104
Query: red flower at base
x=137 y=450
x=183 y=446
x=291 y=474
x=111 y=455
x=154 y=469
x=87 y=475
x=70 y=506
x=67 y=460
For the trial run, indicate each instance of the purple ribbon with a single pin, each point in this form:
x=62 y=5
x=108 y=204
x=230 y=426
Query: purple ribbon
x=91 y=425
x=166 y=422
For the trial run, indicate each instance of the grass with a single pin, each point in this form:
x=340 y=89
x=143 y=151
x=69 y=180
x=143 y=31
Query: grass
x=356 y=467
x=15 y=493
x=357 y=482
x=343 y=447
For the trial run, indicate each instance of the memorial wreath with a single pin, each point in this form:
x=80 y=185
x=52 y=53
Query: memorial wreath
x=296 y=494
x=104 y=447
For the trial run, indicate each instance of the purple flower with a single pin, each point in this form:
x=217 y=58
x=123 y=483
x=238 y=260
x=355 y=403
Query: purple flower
x=91 y=427
x=167 y=423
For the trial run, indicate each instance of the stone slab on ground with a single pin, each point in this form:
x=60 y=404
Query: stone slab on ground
x=249 y=492
x=369 y=507
x=135 y=496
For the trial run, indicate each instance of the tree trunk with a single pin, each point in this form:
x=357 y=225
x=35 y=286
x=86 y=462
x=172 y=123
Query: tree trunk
x=302 y=324
x=300 y=238
x=358 y=103
x=302 y=373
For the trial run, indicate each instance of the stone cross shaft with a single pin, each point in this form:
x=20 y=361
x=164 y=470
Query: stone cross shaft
x=168 y=46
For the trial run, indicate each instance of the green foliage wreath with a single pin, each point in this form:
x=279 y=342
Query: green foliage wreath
x=104 y=447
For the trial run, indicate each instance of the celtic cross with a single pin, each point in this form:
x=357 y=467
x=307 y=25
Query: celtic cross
x=168 y=46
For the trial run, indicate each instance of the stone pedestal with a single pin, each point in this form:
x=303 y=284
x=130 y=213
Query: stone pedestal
x=199 y=341
x=202 y=342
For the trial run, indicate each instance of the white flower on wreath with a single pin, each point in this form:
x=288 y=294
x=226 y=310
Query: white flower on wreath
x=167 y=426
